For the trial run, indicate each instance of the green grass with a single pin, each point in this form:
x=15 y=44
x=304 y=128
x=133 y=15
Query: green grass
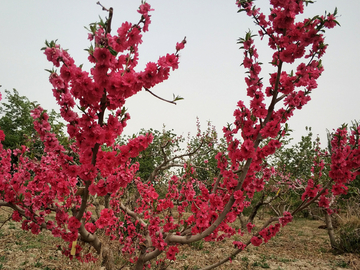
x=38 y=264
x=262 y=265
x=182 y=257
x=341 y=264
x=199 y=245
x=48 y=268
x=285 y=260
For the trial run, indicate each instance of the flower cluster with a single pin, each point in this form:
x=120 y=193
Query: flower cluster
x=345 y=161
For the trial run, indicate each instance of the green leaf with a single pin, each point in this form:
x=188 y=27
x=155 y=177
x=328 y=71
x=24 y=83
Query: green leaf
x=177 y=98
x=112 y=51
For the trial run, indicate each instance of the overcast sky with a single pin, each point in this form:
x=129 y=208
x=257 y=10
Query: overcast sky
x=209 y=76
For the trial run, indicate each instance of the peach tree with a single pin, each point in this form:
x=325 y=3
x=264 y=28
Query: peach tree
x=57 y=191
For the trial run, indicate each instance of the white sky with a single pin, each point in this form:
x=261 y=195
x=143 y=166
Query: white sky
x=209 y=76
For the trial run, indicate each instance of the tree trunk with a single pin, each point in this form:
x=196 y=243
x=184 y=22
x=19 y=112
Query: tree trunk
x=256 y=208
x=242 y=222
x=330 y=229
x=107 y=200
x=108 y=258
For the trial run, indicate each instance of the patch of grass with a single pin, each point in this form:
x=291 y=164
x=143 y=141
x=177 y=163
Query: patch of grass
x=341 y=264
x=262 y=263
x=285 y=260
x=349 y=237
x=245 y=261
x=272 y=257
x=237 y=238
x=20 y=234
x=182 y=257
x=30 y=246
x=48 y=268
x=38 y=264
x=301 y=233
x=2 y=259
x=199 y=245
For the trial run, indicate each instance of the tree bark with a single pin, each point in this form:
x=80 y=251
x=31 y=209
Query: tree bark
x=242 y=221
x=256 y=208
x=330 y=229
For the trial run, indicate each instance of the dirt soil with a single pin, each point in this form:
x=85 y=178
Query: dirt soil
x=300 y=245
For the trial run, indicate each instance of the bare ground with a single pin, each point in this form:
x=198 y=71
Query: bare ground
x=300 y=245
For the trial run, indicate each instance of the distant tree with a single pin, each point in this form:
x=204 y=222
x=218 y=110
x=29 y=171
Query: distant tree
x=169 y=153
x=164 y=146
x=17 y=124
x=208 y=146
x=294 y=167
x=353 y=192
x=16 y=121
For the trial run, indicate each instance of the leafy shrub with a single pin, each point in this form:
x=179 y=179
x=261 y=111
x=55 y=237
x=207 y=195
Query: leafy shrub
x=349 y=236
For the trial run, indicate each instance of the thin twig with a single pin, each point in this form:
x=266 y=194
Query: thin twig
x=4 y=222
x=172 y=102
x=108 y=22
x=104 y=8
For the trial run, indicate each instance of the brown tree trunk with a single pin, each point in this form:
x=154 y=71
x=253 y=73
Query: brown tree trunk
x=256 y=208
x=242 y=222
x=107 y=200
x=108 y=258
x=330 y=229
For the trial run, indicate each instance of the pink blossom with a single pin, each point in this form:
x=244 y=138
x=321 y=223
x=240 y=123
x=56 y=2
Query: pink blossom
x=16 y=216
x=256 y=241
x=239 y=245
x=285 y=219
x=330 y=21
x=74 y=224
x=171 y=252
x=250 y=227
x=90 y=227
